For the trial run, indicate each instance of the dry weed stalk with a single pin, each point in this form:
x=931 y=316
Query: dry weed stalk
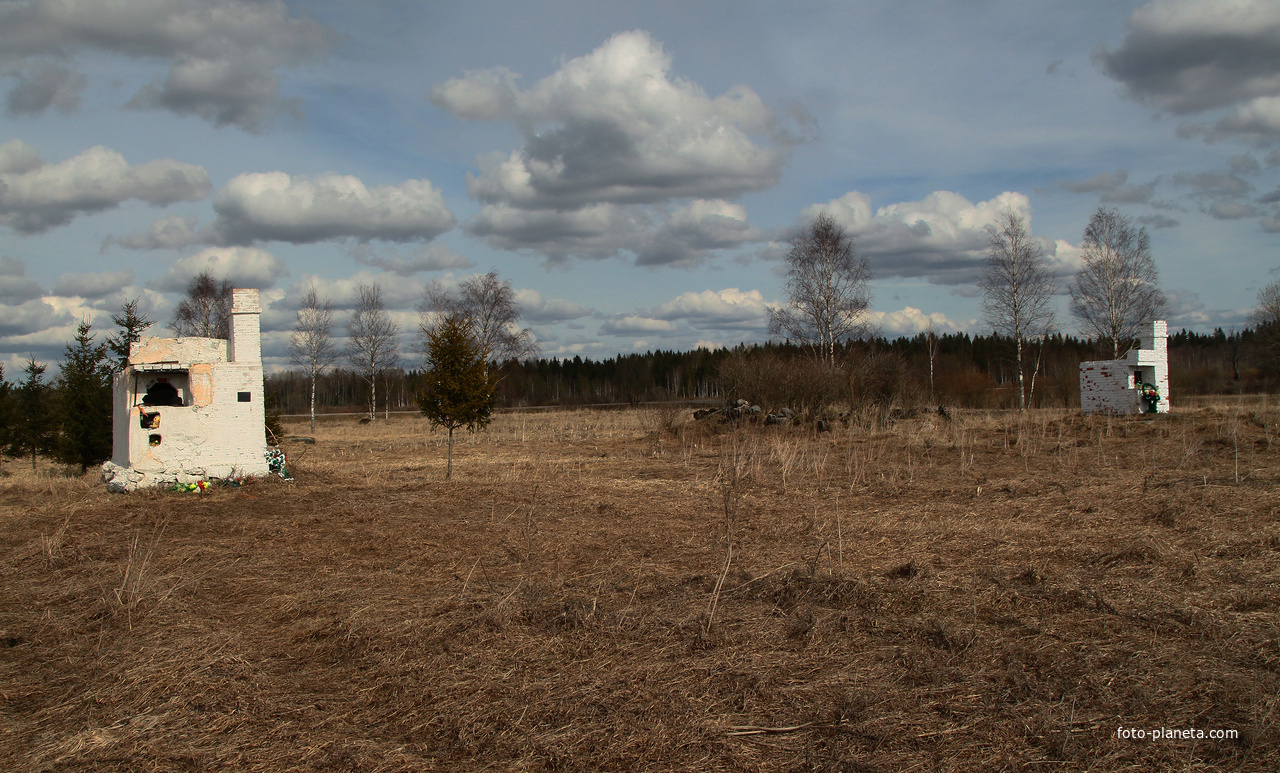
x=737 y=460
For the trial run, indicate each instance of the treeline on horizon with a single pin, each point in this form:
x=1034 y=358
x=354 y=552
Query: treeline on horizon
x=968 y=371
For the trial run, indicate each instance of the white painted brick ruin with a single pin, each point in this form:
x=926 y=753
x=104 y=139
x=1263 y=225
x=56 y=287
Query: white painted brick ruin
x=1113 y=386
x=189 y=409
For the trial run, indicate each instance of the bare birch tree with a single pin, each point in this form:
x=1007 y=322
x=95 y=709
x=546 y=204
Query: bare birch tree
x=206 y=311
x=828 y=290
x=373 y=340
x=488 y=308
x=1117 y=290
x=1017 y=289
x=1266 y=323
x=311 y=345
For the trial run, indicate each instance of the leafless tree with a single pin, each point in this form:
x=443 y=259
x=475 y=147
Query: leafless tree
x=1266 y=323
x=488 y=307
x=373 y=337
x=828 y=290
x=1117 y=290
x=206 y=311
x=311 y=345
x=1017 y=288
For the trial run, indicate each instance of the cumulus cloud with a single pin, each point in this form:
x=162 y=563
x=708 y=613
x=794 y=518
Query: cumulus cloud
x=1188 y=57
x=169 y=233
x=535 y=308
x=15 y=286
x=730 y=308
x=614 y=126
x=695 y=230
x=35 y=197
x=909 y=320
x=20 y=321
x=93 y=286
x=272 y=206
x=432 y=257
x=632 y=324
x=611 y=139
x=222 y=55
x=244 y=266
x=941 y=238
x=41 y=85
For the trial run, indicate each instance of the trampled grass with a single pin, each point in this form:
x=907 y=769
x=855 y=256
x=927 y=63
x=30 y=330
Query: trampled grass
x=989 y=592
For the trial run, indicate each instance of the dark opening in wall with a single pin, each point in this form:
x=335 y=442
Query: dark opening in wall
x=242 y=397
x=154 y=439
x=162 y=393
x=149 y=420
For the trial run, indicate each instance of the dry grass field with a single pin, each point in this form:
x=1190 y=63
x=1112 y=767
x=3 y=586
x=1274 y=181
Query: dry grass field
x=992 y=592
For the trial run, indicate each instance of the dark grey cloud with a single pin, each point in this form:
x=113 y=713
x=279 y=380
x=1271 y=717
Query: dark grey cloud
x=536 y=309
x=432 y=257
x=169 y=233
x=1214 y=184
x=1157 y=221
x=1231 y=210
x=15 y=286
x=93 y=286
x=41 y=85
x=1190 y=57
x=223 y=55
x=35 y=197
x=1102 y=182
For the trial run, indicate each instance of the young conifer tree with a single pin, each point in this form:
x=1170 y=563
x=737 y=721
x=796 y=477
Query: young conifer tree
x=459 y=390
x=84 y=392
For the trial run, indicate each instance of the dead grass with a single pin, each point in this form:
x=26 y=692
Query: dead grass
x=628 y=591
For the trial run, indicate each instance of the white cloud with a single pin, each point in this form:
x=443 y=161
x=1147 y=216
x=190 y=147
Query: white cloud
x=35 y=197
x=222 y=54
x=941 y=237
x=244 y=266
x=631 y=324
x=909 y=320
x=272 y=206
x=729 y=308
x=610 y=139
x=614 y=126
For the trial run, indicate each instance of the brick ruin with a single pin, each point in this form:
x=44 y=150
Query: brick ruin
x=1116 y=386
x=191 y=409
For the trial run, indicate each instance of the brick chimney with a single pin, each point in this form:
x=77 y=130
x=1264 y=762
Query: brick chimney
x=245 y=344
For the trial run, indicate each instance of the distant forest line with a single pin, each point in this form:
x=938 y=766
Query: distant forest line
x=968 y=371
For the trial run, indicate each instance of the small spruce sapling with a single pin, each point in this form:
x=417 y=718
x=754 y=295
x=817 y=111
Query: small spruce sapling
x=459 y=390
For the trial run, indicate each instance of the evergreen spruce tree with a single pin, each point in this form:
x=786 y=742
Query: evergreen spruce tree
x=85 y=402
x=459 y=390
x=132 y=324
x=32 y=430
x=6 y=410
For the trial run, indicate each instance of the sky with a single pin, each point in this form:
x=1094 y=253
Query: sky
x=634 y=170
